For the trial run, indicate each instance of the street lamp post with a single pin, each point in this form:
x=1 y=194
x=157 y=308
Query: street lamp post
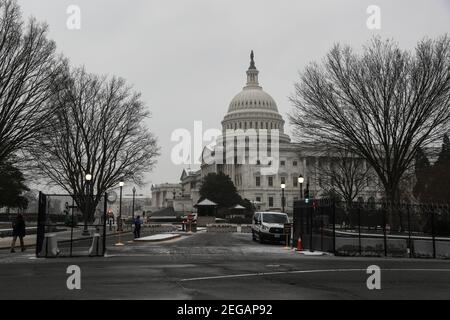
x=301 y=180
x=134 y=195
x=119 y=223
x=174 y=193
x=283 y=200
x=119 y=218
x=88 y=178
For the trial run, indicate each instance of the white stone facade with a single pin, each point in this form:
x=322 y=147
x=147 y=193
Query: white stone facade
x=164 y=194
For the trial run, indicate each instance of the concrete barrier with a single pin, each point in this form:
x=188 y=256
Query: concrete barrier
x=159 y=228
x=228 y=228
x=95 y=249
x=246 y=229
x=221 y=228
x=204 y=221
x=49 y=247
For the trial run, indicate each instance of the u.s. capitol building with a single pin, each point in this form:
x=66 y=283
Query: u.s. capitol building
x=253 y=112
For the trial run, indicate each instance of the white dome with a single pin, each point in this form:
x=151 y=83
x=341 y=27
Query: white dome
x=253 y=108
x=253 y=98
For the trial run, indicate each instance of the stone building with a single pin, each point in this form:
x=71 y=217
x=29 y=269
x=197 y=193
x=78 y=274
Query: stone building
x=164 y=194
x=254 y=112
x=253 y=117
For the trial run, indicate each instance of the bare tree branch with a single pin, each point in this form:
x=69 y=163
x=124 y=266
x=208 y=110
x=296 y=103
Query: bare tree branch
x=28 y=70
x=382 y=105
x=97 y=128
x=347 y=175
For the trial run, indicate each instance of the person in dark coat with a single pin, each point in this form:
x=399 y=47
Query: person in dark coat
x=18 y=231
x=137 y=227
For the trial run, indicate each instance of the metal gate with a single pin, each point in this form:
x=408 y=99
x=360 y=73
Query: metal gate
x=314 y=224
x=65 y=230
x=374 y=229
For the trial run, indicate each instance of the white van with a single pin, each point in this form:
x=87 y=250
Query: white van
x=269 y=226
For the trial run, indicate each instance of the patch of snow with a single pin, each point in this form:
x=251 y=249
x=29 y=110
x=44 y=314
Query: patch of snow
x=314 y=253
x=158 y=237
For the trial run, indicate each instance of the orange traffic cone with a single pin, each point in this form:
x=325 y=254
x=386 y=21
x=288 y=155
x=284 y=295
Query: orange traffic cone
x=299 y=244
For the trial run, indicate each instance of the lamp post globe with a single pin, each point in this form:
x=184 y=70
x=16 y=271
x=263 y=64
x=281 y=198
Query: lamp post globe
x=300 y=182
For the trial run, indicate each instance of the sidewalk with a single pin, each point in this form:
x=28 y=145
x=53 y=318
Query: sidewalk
x=63 y=236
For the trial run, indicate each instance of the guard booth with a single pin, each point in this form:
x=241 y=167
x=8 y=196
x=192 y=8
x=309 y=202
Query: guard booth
x=69 y=226
x=206 y=208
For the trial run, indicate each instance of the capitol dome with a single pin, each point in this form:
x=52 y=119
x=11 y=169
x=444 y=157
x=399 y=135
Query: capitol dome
x=253 y=108
x=253 y=97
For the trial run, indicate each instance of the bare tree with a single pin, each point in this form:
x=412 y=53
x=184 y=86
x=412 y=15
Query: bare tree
x=28 y=69
x=347 y=175
x=383 y=105
x=98 y=129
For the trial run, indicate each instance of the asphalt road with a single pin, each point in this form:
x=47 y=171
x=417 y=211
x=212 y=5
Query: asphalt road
x=218 y=266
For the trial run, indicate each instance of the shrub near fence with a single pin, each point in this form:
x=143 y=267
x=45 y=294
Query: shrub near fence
x=374 y=229
x=159 y=228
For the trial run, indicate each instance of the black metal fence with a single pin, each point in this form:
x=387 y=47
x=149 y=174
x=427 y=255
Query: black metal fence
x=68 y=235
x=374 y=229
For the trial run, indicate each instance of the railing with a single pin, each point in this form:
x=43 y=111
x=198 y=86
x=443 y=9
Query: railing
x=374 y=229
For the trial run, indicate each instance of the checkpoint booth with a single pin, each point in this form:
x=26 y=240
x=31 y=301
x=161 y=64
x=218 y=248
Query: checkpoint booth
x=206 y=211
x=206 y=207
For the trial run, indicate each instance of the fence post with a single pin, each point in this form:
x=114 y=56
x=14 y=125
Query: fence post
x=409 y=231
x=311 y=229
x=42 y=203
x=334 y=226
x=384 y=230
x=433 y=233
x=71 y=227
x=300 y=210
x=105 y=209
x=359 y=228
x=321 y=229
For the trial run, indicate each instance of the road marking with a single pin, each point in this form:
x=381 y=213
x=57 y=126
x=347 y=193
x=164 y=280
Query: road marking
x=259 y=274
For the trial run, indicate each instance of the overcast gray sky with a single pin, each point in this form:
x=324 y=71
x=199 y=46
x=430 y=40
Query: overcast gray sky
x=189 y=57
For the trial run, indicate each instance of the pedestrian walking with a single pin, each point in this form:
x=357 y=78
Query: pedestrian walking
x=137 y=227
x=19 y=228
